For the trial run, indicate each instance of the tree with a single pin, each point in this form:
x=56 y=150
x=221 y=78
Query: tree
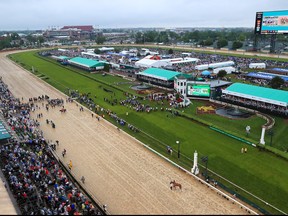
x=221 y=74
x=138 y=38
x=97 y=51
x=170 y=51
x=31 y=39
x=40 y=39
x=5 y=43
x=237 y=45
x=150 y=36
x=117 y=50
x=242 y=37
x=100 y=39
x=202 y=43
x=163 y=37
x=276 y=82
x=222 y=43
x=15 y=36
x=106 y=67
x=208 y=42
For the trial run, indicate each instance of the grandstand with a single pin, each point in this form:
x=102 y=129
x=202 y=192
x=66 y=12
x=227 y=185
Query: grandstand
x=87 y=64
x=158 y=76
x=257 y=97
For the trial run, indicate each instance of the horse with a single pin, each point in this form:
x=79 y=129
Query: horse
x=174 y=184
x=62 y=110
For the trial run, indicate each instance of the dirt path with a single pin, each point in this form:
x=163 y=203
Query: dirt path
x=118 y=170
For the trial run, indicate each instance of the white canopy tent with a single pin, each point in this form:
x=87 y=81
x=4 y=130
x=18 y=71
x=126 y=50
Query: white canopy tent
x=257 y=65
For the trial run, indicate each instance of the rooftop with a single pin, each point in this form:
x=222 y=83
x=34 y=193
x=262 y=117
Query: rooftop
x=85 y=62
x=159 y=73
x=260 y=92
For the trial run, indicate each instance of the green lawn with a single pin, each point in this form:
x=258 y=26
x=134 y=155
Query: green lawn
x=261 y=173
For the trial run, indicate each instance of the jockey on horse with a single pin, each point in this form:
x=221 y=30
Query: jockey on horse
x=174 y=184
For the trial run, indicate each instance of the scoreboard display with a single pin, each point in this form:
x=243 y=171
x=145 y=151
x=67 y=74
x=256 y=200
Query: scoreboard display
x=271 y=22
x=198 y=90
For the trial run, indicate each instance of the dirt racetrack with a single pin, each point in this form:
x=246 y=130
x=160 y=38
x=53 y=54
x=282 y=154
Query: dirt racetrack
x=119 y=171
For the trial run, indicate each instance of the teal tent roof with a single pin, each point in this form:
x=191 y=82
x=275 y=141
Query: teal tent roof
x=159 y=74
x=4 y=134
x=86 y=62
x=259 y=93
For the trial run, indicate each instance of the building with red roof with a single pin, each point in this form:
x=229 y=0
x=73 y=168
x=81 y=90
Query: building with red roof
x=72 y=32
x=87 y=28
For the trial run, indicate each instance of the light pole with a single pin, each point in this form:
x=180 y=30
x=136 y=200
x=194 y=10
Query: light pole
x=178 y=143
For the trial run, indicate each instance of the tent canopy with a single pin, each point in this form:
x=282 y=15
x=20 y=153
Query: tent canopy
x=206 y=73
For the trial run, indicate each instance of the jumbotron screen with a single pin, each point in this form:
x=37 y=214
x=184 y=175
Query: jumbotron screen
x=271 y=22
x=198 y=90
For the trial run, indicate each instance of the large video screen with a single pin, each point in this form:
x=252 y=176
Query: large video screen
x=198 y=90
x=271 y=22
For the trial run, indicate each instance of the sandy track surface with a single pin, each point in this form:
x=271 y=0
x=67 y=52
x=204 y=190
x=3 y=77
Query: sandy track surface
x=119 y=171
x=6 y=205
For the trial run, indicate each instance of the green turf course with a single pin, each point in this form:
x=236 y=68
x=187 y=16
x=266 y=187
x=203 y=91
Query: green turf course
x=261 y=173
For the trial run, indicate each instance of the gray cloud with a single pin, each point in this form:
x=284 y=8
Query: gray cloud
x=40 y=14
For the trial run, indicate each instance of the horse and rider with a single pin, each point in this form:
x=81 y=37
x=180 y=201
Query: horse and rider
x=174 y=184
x=63 y=110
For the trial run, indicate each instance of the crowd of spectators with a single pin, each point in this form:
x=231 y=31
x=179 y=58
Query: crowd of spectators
x=35 y=178
x=136 y=104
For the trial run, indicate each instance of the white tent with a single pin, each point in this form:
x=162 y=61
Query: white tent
x=62 y=50
x=229 y=70
x=182 y=61
x=104 y=49
x=214 y=65
x=257 y=65
x=201 y=67
x=150 y=63
x=90 y=54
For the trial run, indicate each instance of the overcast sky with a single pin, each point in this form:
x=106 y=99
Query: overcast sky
x=41 y=14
